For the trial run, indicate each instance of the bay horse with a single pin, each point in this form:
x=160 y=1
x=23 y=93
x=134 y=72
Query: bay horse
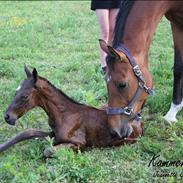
x=128 y=79
x=73 y=124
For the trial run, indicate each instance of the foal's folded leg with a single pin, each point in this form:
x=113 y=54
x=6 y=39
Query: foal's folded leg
x=48 y=152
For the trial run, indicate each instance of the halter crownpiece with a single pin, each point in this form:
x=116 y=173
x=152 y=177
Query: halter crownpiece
x=141 y=86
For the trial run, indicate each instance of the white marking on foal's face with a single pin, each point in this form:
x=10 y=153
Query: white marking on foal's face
x=19 y=87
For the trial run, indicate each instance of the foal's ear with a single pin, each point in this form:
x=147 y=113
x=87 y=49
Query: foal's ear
x=103 y=46
x=34 y=74
x=28 y=73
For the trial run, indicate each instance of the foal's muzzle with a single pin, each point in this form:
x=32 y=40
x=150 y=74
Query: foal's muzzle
x=9 y=119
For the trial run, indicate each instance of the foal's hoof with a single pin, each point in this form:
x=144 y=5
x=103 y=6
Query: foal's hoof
x=48 y=153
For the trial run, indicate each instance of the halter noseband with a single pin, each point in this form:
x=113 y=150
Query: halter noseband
x=141 y=86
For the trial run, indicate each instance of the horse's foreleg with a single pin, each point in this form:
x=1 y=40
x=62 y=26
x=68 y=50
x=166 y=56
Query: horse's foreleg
x=177 y=102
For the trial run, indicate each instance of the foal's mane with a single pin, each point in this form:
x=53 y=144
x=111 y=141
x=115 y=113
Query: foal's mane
x=125 y=8
x=59 y=91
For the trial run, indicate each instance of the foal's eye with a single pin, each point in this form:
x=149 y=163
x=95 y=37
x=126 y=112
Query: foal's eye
x=121 y=86
x=25 y=97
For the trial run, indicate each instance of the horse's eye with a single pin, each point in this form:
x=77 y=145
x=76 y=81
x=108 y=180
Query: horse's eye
x=121 y=86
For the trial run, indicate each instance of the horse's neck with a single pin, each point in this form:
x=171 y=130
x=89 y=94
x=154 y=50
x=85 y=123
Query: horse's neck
x=140 y=27
x=54 y=103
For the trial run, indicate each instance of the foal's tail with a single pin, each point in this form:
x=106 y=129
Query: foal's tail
x=27 y=134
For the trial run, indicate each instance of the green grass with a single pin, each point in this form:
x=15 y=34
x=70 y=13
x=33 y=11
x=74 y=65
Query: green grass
x=60 y=40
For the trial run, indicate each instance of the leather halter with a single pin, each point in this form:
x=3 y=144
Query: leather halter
x=141 y=86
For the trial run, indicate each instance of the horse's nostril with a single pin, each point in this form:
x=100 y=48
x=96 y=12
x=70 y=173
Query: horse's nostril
x=115 y=133
x=6 y=117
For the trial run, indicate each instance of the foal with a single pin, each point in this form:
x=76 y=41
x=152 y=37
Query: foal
x=73 y=124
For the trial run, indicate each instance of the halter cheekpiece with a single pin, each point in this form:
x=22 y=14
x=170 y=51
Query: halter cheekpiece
x=141 y=86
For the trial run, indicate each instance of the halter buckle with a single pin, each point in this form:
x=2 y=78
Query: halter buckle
x=139 y=117
x=127 y=111
x=137 y=70
x=149 y=90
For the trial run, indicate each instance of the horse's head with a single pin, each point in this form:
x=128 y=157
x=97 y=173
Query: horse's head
x=24 y=99
x=126 y=94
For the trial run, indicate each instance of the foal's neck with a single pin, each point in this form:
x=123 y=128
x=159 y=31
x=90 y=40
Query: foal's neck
x=54 y=101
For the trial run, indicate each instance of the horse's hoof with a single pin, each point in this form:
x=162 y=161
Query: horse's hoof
x=170 y=119
x=48 y=153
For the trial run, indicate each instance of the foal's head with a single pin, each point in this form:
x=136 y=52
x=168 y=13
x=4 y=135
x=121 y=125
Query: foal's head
x=122 y=86
x=24 y=99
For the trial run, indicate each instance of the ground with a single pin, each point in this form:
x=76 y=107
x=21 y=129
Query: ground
x=60 y=39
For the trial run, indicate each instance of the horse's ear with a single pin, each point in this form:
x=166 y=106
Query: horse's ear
x=114 y=52
x=109 y=49
x=103 y=46
x=119 y=56
x=35 y=74
x=28 y=73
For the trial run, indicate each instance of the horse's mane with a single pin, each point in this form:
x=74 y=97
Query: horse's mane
x=125 y=8
x=59 y=91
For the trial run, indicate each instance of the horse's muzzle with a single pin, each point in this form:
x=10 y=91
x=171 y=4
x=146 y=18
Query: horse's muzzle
x=115 y=134
x=124 y=132
x=9 y=120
